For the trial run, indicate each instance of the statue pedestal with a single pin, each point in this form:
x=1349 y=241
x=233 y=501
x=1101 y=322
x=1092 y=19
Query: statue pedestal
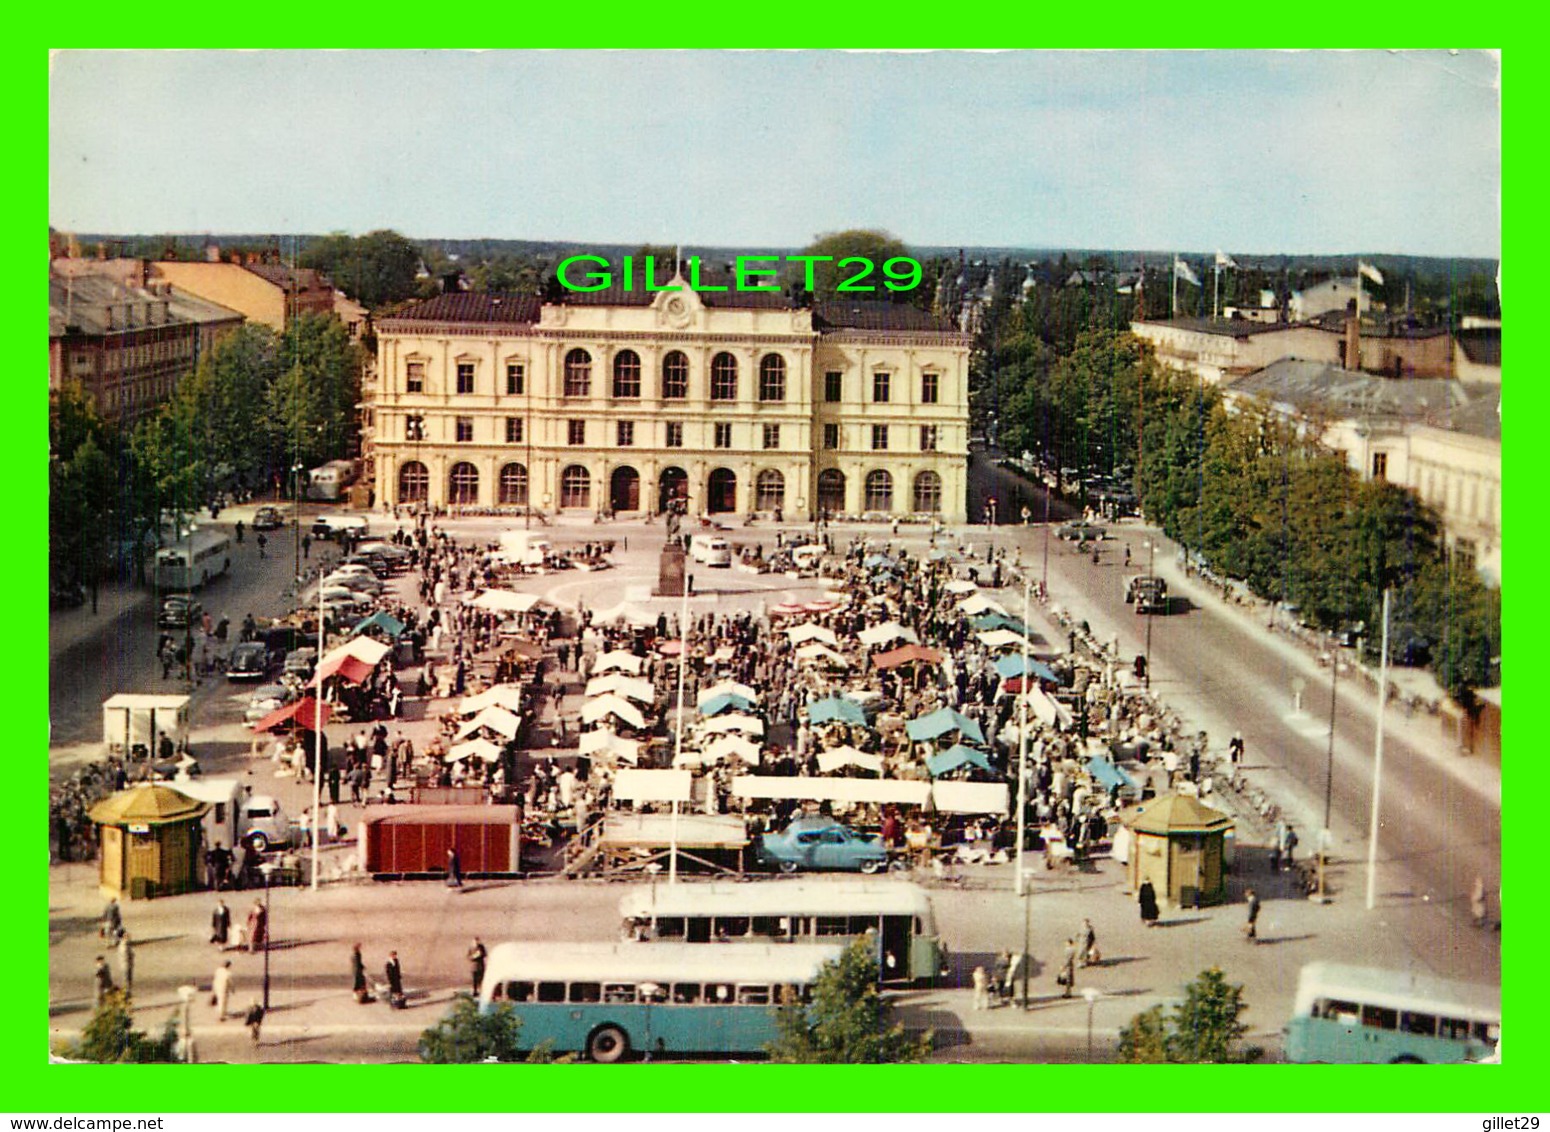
x=671 y=571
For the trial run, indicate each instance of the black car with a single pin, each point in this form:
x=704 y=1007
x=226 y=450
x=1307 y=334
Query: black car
x=248 y=661
x=1081 y=532
x=179 y=612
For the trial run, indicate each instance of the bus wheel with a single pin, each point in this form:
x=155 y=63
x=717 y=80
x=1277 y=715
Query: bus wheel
x=1407 y=1059
x=607 y=1045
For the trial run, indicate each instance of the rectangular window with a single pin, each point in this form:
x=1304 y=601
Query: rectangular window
x=879 y=438
x=626 y=434
x=465 y=429
x=414 y=378
x=576 y=432
x=880 y=382
x=513 y=430
x=1380 y=465
x=772 y=436
x=723 y=436
x=586 y=992
x=831 y=436
x=465 y=377
x=675 y=434
x=516 y=378
x=928 y=438
x=833 y=386
x=928 y=388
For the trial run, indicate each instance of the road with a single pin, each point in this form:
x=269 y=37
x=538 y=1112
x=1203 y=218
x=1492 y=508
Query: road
x=1440 y=829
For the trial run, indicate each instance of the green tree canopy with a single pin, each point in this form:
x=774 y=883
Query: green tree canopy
x=870 y=244
x=375 y=269
x=1203 y=1029
x=110 y=1037
x=848 y=1021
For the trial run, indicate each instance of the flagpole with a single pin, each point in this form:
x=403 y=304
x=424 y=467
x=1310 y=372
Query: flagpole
x=1022 y=749
x=1216 y=292
x=1377 y=762
x=1173 y=296
x=683 y=663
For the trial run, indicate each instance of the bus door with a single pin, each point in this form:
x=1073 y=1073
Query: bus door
x=894 y=962
x=697 y=929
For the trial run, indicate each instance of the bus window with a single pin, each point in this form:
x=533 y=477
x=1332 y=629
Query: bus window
x=651 y=993
x=519 y=992
x=1423 y=1024
x=753 y=996
x=551 y=992
x=1455 y=1028
x=1485 y=1032
x=1380 y=1018
x=833 y=925
x=619 y=992
x=731 y=927
x=586 y=992
x=1340 y=1011
x=718 y=993
x=801 y=926
x=670 y=927
x=861 y=924
x=771 y=927
x=686 y=993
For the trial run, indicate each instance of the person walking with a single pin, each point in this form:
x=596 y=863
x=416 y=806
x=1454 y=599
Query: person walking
x=981 y=989
x=454 y=868
x=306 y=546
x=254 y=1020
x=477 y=955
x=263 y=546
x=258 y=927
x=112 y=921
x=1089 y=938
x=126 y=963
x=1235 y=747
x=1067 y=976
x=395 y=981
x=1251 y=927
x=102 y=983
x=358 y=976
x=220 y=923
x=1147 y=898
x=222 y=987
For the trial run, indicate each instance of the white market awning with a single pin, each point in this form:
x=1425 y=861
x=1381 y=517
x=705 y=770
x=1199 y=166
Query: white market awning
x=617 y=683
x=725 y=688
x=837 y=758
x=801 y=634
x=617 y=661
x=724 y=723
x=816 y=653
x=506 y=601
x=880 y=790
x=960 y=586
x=632 y=785
x=979 y=603
x=606 y=745
x=883 y=634
x=611 y=705
x=734 y=746
x=481 y=749
x=497 y=719
x=1003 y=639
x=508 y=696
x=969 y=797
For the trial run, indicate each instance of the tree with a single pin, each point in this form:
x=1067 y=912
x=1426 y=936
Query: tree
x=875 y=246
x=110 y=1037
x=847 y=1021
x=1203 y=1029
x=375 y=269
x=469 y=1035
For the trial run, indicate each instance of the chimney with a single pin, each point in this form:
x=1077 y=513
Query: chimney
x=145 y=272
x=1353 y=343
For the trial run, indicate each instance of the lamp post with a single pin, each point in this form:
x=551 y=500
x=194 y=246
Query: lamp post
x=296 y=515
x=317 y=751
x=1151 y=560
x=1322 y=896
x=1092 y=995
x=267 y=868
x=1044 y=582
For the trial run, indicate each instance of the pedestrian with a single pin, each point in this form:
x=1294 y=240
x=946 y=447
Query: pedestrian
x=395 y=981
x=1251 y=927
x=112 y=921
x=240 y=530
x=102 y=983
x=1289 y=847
x=981 y=989
x=1235 y=747
x=1067 y=976
x=1089 y=938
x=1003 y=976
x=306 y=546
x=221 y=989
x=1147 y=898
x=454 y=868
x=258 y=927
x=220 y=923
x=126 y=963
x=331 y=816
x=1477 y=906
x=358 y=976
x=263 y=543
x=254 y=1020
x=476 y=961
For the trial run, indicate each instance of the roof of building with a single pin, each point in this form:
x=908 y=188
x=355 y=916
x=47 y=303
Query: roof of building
x=470 y=306
x=1228 y=328
x=1482 y=345
x=149 y=804
x=1480 y=416
x=1175 y=813
x=81 y=304
x=873 y=314
x=300 y=279
x=1309 y=385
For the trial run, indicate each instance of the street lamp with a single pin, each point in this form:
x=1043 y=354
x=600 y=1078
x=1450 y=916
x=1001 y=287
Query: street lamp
x=1151 y=560
x=267 y=868
x=296 y=516
x=1322 y=896
x=1092 y=995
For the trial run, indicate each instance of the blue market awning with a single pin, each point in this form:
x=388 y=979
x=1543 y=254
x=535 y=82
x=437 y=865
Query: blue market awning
x=834 y=709
x=874 y=561
x=1107 y=775
x=939 y=723
x=989 y=621
x=727 y=702
x=1011 y=665
x=383 y=620
x=957 y=756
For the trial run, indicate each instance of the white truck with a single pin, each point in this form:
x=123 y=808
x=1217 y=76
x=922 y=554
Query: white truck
x=713 y=550
x=524 y=548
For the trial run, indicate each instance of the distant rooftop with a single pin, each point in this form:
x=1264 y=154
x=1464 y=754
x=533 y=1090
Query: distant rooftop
x=1321 y=386
x=1482 y=345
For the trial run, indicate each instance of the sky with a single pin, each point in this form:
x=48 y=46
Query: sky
x=1249 y=152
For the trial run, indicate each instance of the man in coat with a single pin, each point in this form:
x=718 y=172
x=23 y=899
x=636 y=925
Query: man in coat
x=102 y=982
x=477 y=956
x=258 y=927
x=1251 y=927
x=1147 y=898
x=221 y=989
x=220 y=923
x=358 y=975
x=395 y=981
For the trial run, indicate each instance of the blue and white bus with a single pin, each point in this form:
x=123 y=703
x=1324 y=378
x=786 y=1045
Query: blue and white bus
x=1352 y=1015
x=899 y=913
x=609 y=999
x=193 y=560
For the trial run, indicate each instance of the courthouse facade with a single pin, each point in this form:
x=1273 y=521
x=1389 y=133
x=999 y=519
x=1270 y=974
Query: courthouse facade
x=731 y=403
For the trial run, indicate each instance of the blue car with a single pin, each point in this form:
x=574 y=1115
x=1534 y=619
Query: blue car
x=822 y=843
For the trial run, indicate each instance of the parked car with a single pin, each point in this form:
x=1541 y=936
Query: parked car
x=365 y=582
x=822 y=843
x=248 y=661
x=331 y=526
x=1081 y=532
x=268 y=519
x=267 y=698
x=300 y=663
x=178 y=612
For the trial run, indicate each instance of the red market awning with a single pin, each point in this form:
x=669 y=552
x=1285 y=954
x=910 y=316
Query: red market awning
x=349 y=668
x=303 y=714
x=906 y=654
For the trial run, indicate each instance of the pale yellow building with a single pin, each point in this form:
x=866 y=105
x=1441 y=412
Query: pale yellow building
x=266 y=292
x=736 y=403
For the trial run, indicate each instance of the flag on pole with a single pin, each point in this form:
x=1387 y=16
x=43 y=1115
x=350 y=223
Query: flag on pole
x=1181 y=271
x=1224 y=260
x=1370 y=271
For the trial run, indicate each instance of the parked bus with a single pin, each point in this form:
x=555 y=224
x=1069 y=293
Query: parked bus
x=607 y=999
x=193 y=560
x=909 y=949
x=330 y=482
x=1350 y=1015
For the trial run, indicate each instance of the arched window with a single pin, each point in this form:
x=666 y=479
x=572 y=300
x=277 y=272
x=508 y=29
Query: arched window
x=675 y=376
x=414 y=483
x=723 y=377
x=513 y=484
x=721 y=492
x=831 y=491
x=928 y=492
x=463 y=484
x=879 y=491
x=769 y=490
x=772 y=378
x=575 y=487
x=578 y=373
x=626 y=374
